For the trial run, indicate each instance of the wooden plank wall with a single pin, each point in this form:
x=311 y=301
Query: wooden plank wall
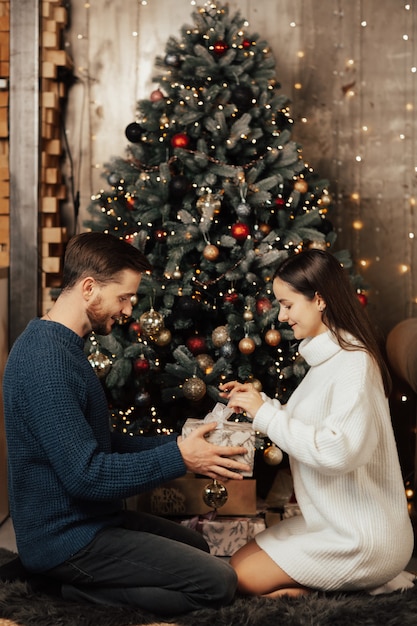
x=4 y=235
x=55 y=61
x=349 y=67
x=4 y=134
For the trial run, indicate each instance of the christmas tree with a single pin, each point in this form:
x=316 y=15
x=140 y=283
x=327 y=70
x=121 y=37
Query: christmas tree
x=216 y=193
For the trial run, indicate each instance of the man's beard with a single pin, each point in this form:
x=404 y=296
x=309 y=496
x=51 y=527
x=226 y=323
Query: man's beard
x=98 y=320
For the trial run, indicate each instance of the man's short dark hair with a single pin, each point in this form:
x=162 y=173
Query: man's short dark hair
x=101 y=256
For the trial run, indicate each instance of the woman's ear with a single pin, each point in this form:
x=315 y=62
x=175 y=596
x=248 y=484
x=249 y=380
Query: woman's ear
x=320 y=302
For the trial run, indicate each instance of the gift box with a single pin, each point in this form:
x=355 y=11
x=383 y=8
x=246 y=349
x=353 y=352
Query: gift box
x=227 y=433
x=225 y=535
x=184 y=496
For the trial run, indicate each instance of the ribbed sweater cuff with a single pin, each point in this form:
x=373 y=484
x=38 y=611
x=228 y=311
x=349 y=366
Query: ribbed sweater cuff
x=262 y=418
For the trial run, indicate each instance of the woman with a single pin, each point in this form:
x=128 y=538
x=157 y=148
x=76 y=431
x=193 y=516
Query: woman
x=354 y=530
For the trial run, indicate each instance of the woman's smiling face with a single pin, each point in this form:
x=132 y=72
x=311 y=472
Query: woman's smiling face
x=304 y=316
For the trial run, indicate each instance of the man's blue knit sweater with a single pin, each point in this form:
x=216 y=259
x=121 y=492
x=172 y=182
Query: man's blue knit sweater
x=68 y=473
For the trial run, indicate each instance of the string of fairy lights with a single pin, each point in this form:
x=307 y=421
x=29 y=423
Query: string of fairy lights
x=352 y=33
x=410 y=138
x=349 y=60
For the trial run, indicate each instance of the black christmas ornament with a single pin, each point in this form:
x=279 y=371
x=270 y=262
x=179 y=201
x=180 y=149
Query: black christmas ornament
x=283 y=120
x=188 y=307
x=178 y=186
x=242 y=97
x=325 y=226
x=134 y=132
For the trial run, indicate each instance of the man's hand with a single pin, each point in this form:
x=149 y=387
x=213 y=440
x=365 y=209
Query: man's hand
x=242 y=397
x=202 y=457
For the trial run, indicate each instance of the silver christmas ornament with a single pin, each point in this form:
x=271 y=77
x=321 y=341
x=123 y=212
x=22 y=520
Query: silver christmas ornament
x=194 y=389
x=100 y=363
x=151 y=322
x=215 y=495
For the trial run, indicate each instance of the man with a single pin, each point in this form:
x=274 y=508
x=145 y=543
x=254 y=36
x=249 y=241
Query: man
x=68 y=474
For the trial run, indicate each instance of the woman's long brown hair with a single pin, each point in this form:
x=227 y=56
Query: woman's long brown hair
x=318 y=272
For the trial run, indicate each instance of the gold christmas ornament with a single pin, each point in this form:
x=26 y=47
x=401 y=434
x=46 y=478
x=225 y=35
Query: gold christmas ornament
x=151 y=323
x=326 y=199
x=317 y=245
x=301 y=185
x=246 y=345
x=205 y=362
x=164 y=337
x=247 y=315
x=273 y=337
x=177 y=274
x=215 y=495
x=100 y=363
x=194 y=389
x=220 y=336
x=211 y=252
x=273 y=455
x=256 y=383
x=265 y=229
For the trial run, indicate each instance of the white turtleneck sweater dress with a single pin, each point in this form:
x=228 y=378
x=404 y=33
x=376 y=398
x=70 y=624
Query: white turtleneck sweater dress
x=354 y=531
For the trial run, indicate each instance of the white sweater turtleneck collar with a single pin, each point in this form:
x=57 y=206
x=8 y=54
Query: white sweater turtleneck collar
x=316 y=350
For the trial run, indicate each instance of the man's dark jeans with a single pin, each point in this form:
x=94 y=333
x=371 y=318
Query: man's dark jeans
x=151 y=563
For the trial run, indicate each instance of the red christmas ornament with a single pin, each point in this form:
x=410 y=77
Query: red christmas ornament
x=279 y=202
x=220 y=47
x=135 y=328
x=196 y=344
x=246 y=44
x=362 y=299
x=263 y=305
x=141 y=365
x=232 y=297
x=180 y=140
x=156 y=95
x=160 y=234
x=240 y=231
x=130 y=201
x=129 y=237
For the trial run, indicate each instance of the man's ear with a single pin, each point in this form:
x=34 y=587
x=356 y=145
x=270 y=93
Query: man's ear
x=88 y=286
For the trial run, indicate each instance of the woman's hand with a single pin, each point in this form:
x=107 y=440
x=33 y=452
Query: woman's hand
x=242 y=397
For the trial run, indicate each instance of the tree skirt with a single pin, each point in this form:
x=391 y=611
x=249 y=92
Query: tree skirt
x=27 y=604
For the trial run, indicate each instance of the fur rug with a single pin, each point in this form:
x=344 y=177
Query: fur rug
x=27 y=604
